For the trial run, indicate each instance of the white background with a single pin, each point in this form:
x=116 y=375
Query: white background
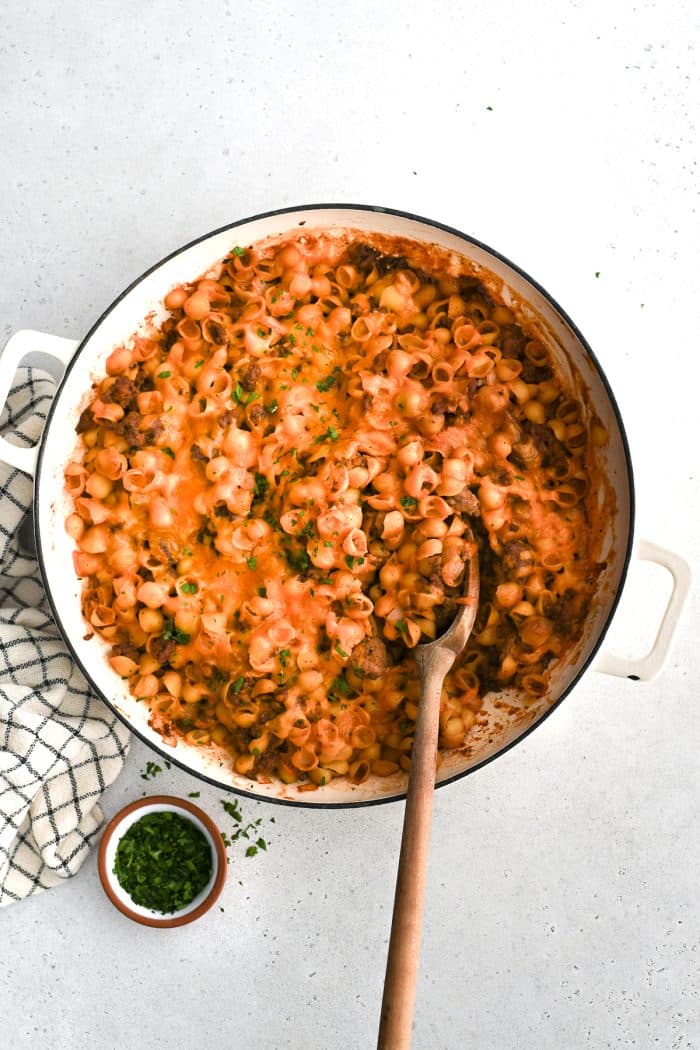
x=562 y=908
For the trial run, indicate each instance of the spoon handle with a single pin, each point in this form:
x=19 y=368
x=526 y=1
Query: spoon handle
x=404 y=944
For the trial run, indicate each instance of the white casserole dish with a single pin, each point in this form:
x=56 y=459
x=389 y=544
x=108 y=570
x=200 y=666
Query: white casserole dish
x=85 y=360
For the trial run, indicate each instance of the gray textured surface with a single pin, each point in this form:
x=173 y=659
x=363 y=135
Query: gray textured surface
x=562 y=907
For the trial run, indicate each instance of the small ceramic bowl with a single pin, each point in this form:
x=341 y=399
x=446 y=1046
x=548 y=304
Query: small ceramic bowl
x=121 y=823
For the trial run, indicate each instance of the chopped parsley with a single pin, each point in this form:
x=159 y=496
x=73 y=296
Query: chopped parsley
x=339 y=651
x=252 y=562
x=152 y=771
x=232 y=809
x=242 y=397
x=409 y=502
x=298 y=560
x=271 y=520
x=284 y=655
x=330 y=435
x=401 y=626
x=168 y=451
x=272 y=407
x=238 y=684
x=262 y=591
x=163 y=375
x=163 y=861
x=238 y=251
x=189 y=588
x=292 y=339
x=340 y=685
x=261 y=333
x=244 y=831
x=261 y=486
x=174 y=634
x=324 y=385
x=351 y=561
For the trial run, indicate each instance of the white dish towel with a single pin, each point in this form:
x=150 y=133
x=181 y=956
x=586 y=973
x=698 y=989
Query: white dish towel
x=59 y=746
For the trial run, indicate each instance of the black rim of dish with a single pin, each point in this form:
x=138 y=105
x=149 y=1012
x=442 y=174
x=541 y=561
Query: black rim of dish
x=468 y=240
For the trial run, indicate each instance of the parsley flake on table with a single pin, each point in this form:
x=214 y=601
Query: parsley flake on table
x=243 y=830
x=232 y=809
x=152 y=770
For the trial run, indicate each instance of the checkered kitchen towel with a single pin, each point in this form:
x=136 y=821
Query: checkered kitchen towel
x=59 y=746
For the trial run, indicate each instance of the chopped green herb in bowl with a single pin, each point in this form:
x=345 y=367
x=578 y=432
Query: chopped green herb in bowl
x=162 y=861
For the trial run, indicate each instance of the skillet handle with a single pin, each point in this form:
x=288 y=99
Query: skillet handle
x=647 y=666
x=15 y=350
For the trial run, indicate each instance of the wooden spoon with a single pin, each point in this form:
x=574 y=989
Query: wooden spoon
x=433 y=662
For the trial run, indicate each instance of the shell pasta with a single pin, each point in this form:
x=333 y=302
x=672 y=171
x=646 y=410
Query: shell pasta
x=276 y=492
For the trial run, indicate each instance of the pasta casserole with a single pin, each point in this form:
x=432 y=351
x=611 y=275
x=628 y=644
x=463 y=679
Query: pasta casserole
x=277 y=488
